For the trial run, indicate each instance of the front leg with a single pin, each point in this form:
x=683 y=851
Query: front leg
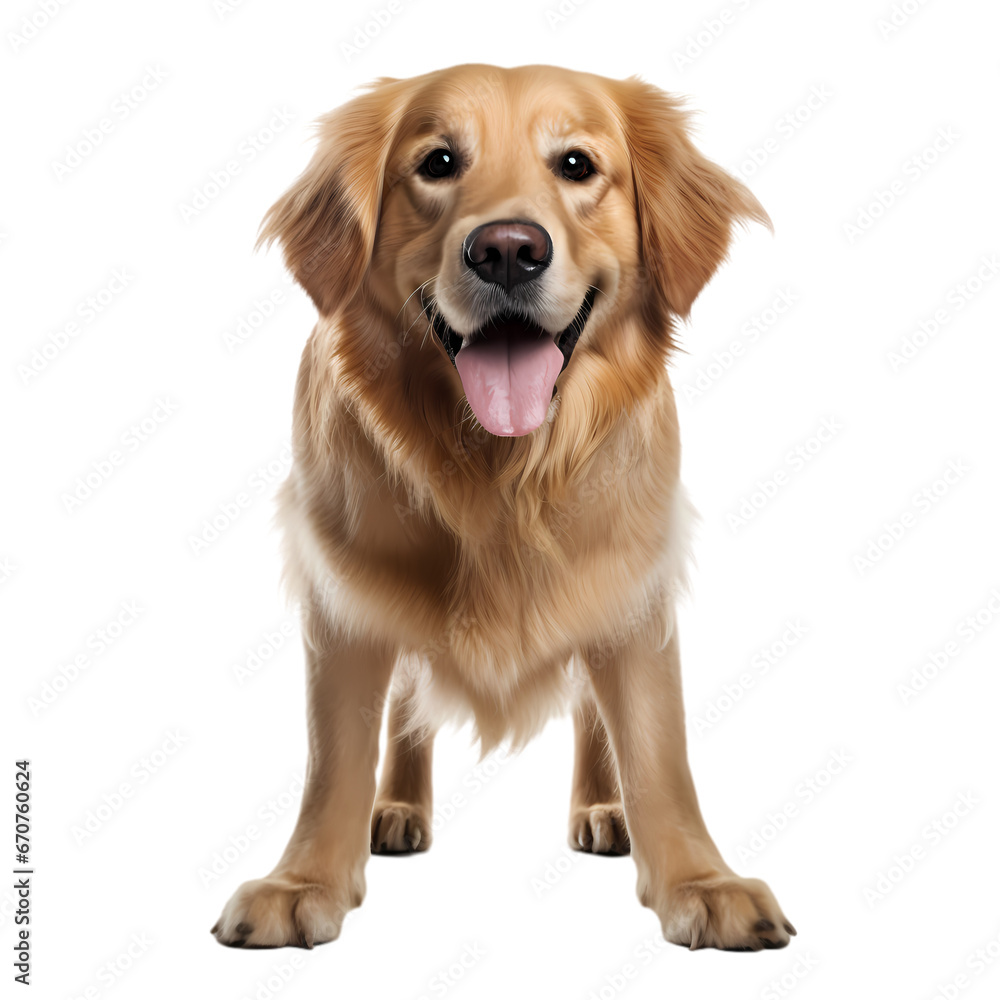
x=321 y=874
x=701 y=903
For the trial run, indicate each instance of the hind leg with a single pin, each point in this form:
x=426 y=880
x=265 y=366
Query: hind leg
x=596 y=818
x=401 y=818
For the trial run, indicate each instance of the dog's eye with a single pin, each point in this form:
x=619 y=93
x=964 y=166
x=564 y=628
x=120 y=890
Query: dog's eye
x=575 y=166
x=440 y=163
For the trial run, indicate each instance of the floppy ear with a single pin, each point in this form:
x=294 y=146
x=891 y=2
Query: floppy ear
x=686 y=205
x=327 y=220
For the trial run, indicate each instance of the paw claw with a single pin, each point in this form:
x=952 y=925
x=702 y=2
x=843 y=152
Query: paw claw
x=767 y=943
x=400 y=828
x=286 y=910
x=599 y=829
x=722 y=911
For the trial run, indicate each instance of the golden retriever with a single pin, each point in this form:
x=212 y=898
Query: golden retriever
x=484 y=510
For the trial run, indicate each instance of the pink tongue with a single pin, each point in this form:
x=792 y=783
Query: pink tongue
x=508 y=379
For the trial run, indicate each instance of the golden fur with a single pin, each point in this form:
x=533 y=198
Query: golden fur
x=501 y=576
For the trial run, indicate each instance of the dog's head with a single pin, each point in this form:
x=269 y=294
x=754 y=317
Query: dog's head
x=530 y=216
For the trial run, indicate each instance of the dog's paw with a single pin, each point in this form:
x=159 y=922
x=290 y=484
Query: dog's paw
x=599 y=829
x=400 y=828
x=285 y=910
x=727 y=912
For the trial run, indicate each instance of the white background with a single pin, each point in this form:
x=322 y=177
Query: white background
x=888 y=93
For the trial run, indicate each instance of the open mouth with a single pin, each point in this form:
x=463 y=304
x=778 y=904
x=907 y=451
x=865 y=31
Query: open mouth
x=510 y=365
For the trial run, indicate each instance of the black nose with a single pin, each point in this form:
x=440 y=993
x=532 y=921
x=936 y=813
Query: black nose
x=508 y=253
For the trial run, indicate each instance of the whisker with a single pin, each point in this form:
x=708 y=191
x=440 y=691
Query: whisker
x=419 y=288
x=424 y=339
